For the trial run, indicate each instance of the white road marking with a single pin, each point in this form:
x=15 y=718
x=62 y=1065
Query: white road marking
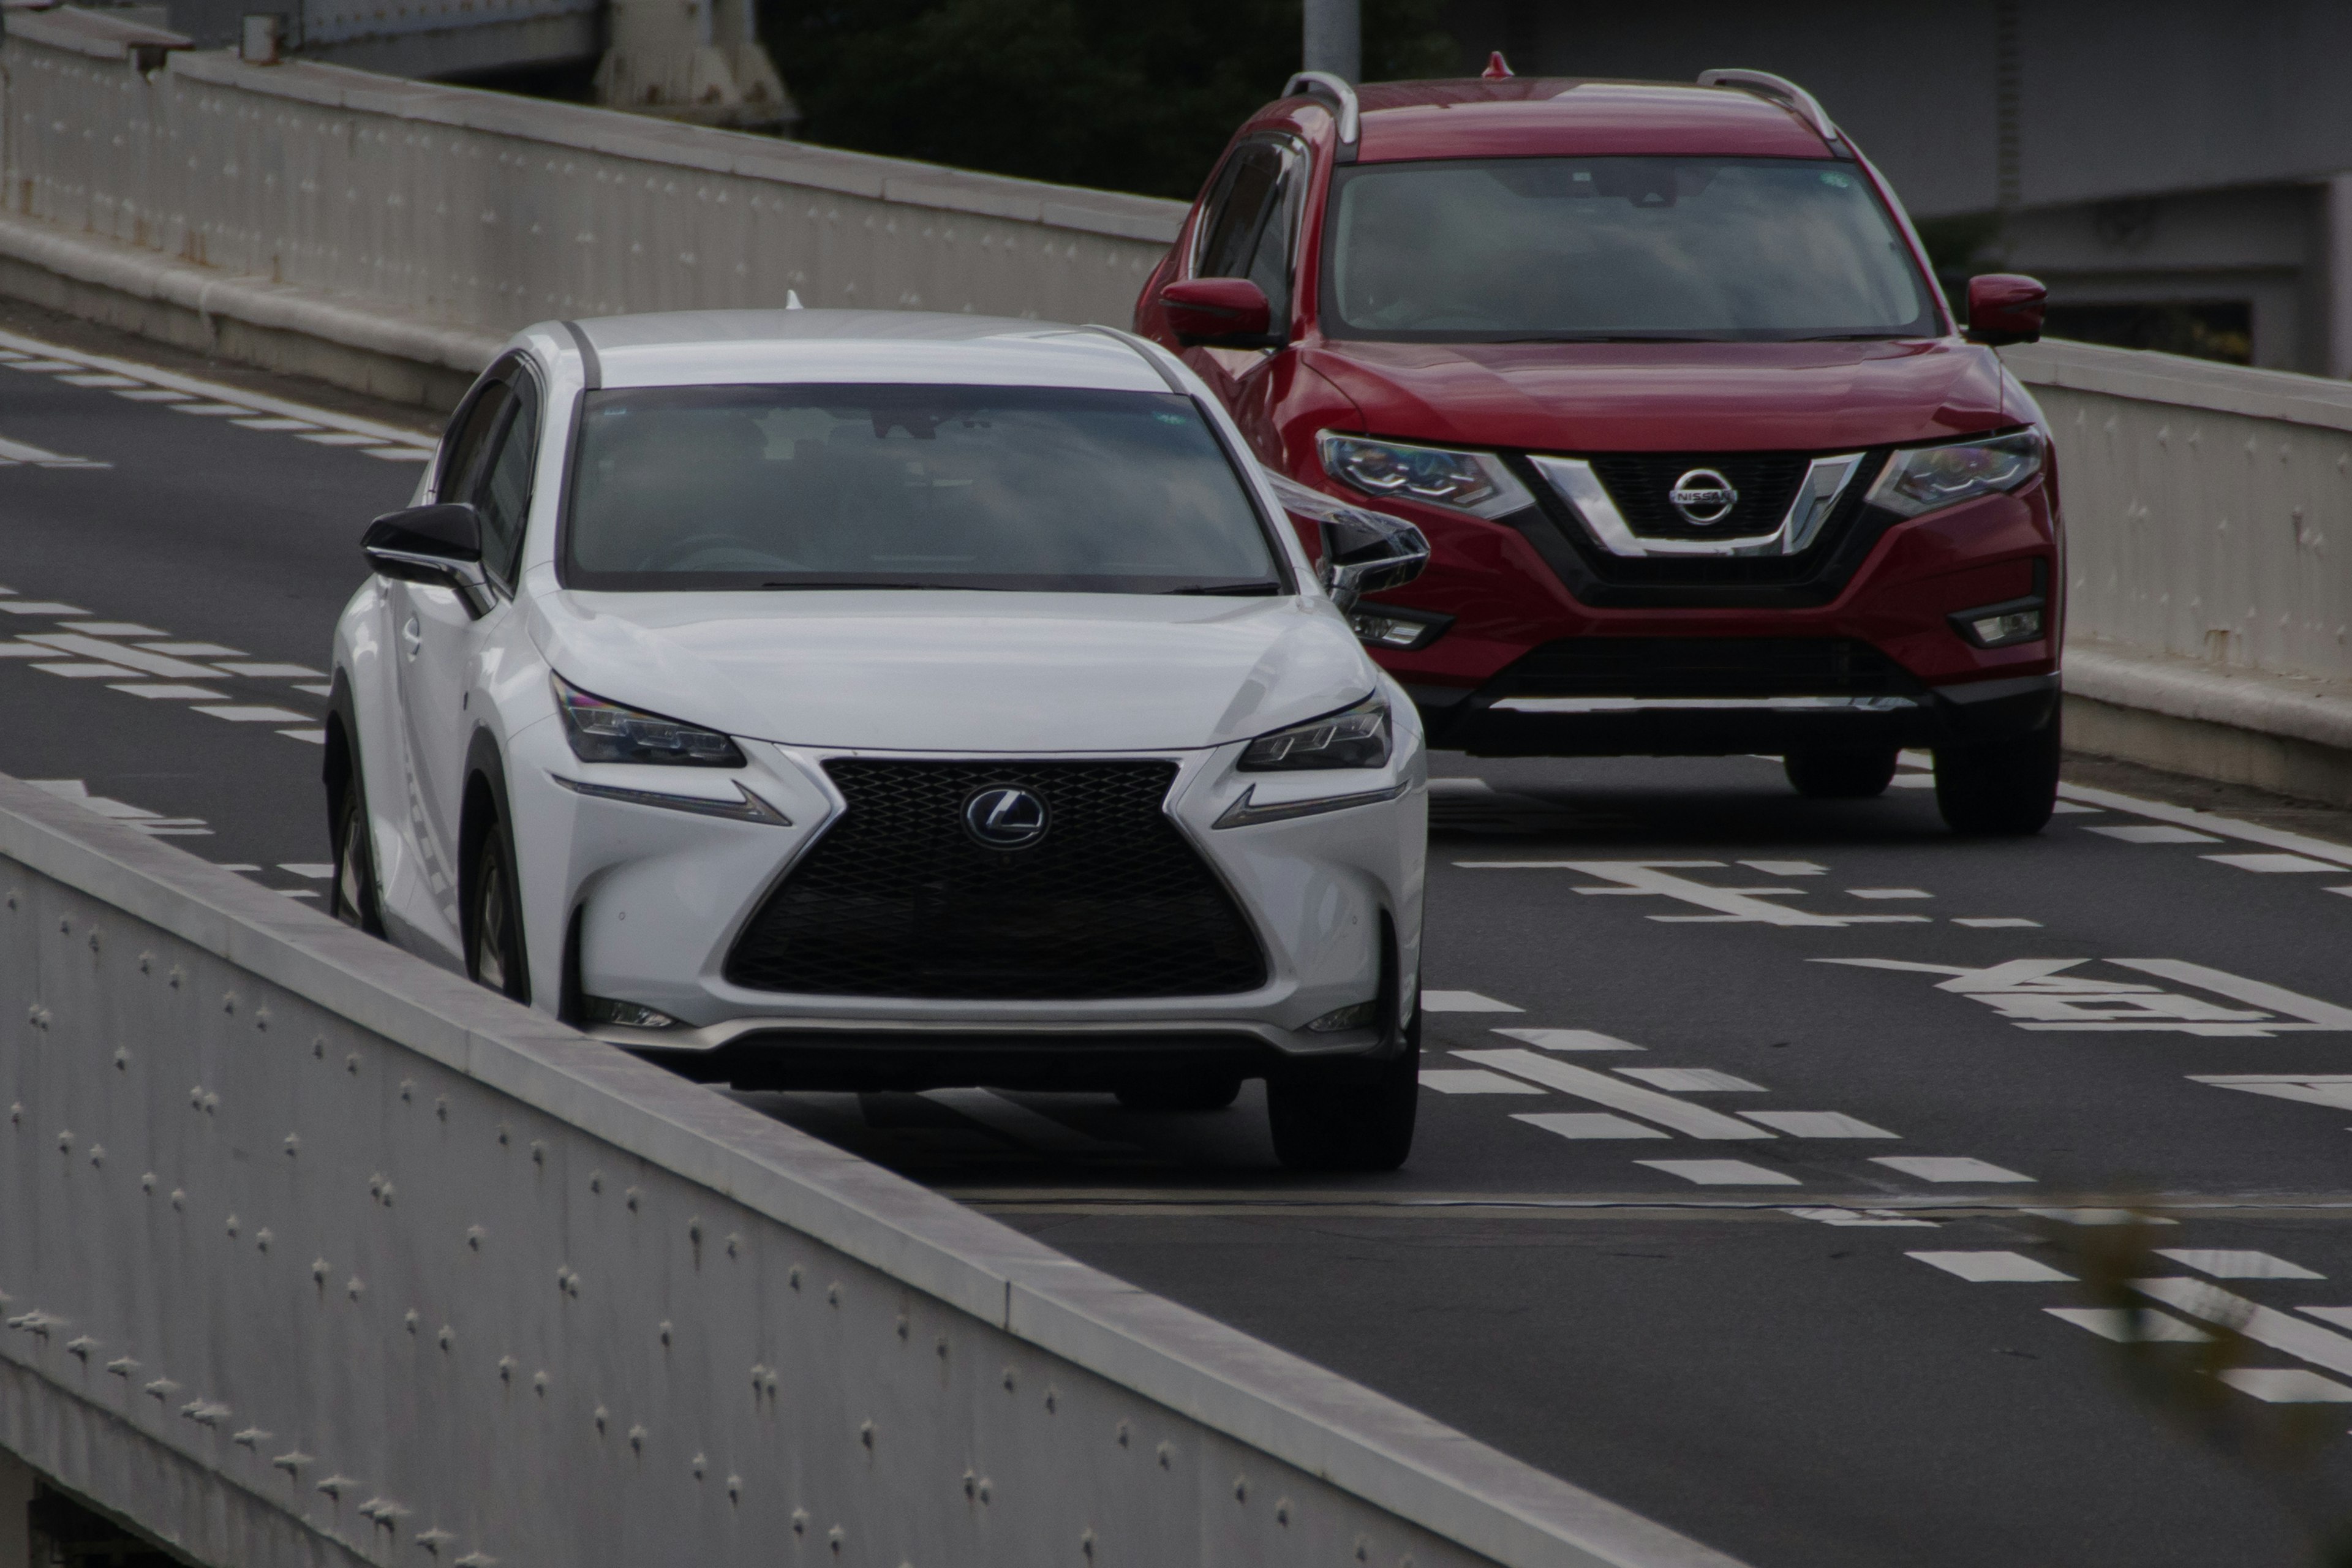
x=1570 y=1040
x=2068 y=808
x=2273 y=863
x=192 y=649
x=99 y=378
x=2339 y=1316
x=274 y=671
x=1913 y=781
x=315 y=737
x=316 y=870
x=2228 y=1265
x=140 y=817
x=153 y=394
x=1020 y=1124
x=1996 y=923
x=112 y=629
x=239 y=714
x=1722 y=1172
x=1691 y=1080
x=2286 y=1386
x=342 y=438
x=2346 y=891
x=1993 y=1267
x=2101 y=1216
x=2150 y=834
x=1787 y=868
x=316 y=688
x=1817 y=1124
x=1584 y=1124
x=2145 y=1327
x=2328 y=1089
x=1463 y=1002
x=296 y=892
x=399 y=454
x=1888 y=893
x=1861 y=1217
x=2228 y=827
x=138 y=659
x=1947 y=1168
x=1656 y=878
x=269 y=422
x=1473 y=1080
x=40 y=607
x=210 y=410
x=1460 y=786
x=2037 y=994
x=44 y=365
x=172 y=693
x=1697 y=1120
x=84 y=670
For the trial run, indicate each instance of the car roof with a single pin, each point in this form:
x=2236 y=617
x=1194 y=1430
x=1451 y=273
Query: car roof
x=707 y=348
x=1517 y=117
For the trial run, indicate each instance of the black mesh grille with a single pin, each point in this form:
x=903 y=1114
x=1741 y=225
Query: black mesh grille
x=1638 y=482
x=1706 y=666
x=896 y=901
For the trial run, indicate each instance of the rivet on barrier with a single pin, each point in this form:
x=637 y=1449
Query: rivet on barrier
x=1008 y=1380
x=80 y=1347
x=64 y=1143
x=122 y=1366
x=251 y=1437
x=1086 y=1545
x=409 y=1320
x=449 y=1337
x=1281 y=1511
x=1241 y=1488
x=630 y=1197
x=734 y=1489
x=162 y=1389
x=179 y=1199
x=699 y=1465
x=228 y=1002
x=336 y=1485
x=507 y=1367
x=291 y=1462
x=602 y=1417
x=232 y=1227
x=354 y=1288
x=146 y=963
x=433 y=1540
x=833 y=1294
x=262 y=1238
x=293 y=1145
x=538 y=1151
x=539 y=1383
x=866 y=1436
x=122 y=1059
x=637 y=1439
x=475 y=1237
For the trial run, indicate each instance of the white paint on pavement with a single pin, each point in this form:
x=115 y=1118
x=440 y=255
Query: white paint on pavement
x=1888 y=893
x=1473 y=1080
x=2146 y=1326
x=1657 y=878
x=1787 y=868
x=1691 y=1080
x=1584 y=1124
x=2227 y=826
x=1681 y=1115
x=2264 y=1325
x=242 y=713
x=1570 y=1040
x=1817 y=1124
x=2137 y=834
x=2044 y=994
x=1861 y=1217
x=1722 y=1172
x=2273 y=863
x=2329 y=1089
x=2286 y=1386
x=2228 y=1265
x=1993 y=1267
x=1463 y=1002
x=1997 y=922
x=1016 y=1122
x=1947 y=1168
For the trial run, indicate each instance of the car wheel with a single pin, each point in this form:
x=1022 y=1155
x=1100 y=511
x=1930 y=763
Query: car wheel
x=494 y=950
x=1840 y=772
x=2003 y=790
x=1323 y=1121
x=1185 y=1092
x=353 y=891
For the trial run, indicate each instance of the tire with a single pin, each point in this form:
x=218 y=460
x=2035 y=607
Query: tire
x=2004 y=790
x=495 y=956
x=1195 y=1092
x=1323 y=1121
x=353 y=893
x=1840 y=772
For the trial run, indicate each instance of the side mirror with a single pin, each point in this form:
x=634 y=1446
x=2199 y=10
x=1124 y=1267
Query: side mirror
x=2005 y=308
x=440 y=546
x=1364 y=552
x=1219 y=312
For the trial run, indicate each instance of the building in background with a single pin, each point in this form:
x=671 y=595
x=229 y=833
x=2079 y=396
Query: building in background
x=2179 y=173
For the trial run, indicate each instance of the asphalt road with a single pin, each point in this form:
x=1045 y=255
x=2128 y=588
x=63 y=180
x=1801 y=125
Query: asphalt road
x=1774 y=1153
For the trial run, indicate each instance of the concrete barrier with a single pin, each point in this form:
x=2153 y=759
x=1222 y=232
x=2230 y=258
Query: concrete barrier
x=387 y=234
x=314 y=1254
x=2208 y=520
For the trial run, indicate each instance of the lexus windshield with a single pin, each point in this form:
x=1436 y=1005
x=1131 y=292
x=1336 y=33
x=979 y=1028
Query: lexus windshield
x=1507 y=249
x=868 y=486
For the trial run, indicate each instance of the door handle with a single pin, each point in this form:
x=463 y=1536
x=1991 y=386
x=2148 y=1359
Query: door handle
x=412 y=636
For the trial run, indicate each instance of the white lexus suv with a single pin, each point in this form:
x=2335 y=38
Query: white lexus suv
x=844 y=700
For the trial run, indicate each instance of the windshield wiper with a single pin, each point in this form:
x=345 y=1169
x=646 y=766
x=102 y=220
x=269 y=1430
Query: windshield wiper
x=846 y=582
x=1229 y=590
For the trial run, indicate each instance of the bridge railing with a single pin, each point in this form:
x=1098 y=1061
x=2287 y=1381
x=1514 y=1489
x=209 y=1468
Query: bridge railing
x=313 y=1254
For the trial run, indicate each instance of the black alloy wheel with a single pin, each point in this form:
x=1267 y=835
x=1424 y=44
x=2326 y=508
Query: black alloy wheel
x=1193 y=1092
x=2003 y=790
x=494 y=949
x=1840 y=772
x=352 y=895
x=1347 y=1116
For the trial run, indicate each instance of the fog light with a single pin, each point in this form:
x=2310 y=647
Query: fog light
x=2001 y=626
x=625 y=1015
x=1385 y=625
x=1362 y=1015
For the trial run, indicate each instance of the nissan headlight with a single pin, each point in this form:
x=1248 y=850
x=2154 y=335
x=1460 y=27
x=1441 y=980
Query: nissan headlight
x=1921 y=479
x=602 y=731
x=1354 y=737
x=1474 y=482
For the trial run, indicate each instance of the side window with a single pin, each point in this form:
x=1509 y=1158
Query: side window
x=502 y=493
x=461 y=449
x=1246 y=231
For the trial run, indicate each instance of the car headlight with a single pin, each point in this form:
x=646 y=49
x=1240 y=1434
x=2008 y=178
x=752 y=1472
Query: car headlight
x=1921 y=479
x=602 y=731
x=1354 y=737
x=1474 y=482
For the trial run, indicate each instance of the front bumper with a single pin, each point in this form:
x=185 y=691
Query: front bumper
x=635 y=902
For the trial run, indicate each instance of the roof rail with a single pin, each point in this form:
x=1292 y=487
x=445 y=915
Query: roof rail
x=1808 y=106
x=1307 y=84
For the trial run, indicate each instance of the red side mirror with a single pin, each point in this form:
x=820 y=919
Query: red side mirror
x=1221 y=312
x=2005 y=308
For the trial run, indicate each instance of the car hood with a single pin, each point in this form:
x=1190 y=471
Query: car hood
x=915 y=670
x=1669 y=397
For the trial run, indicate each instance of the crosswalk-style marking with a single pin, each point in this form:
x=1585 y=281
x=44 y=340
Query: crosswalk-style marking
x=1691 y=1080
x=2273 y=863
x=2229 y=1265
x=1568 y=1040
x=2286 y=1386
x=1817 y=1124
x=1693 y=1120
x=1947 y=1168
x=2145 y=1327
x=1584 y=1124
x=1722 y=1172
x=1993 y=1267
x=1463 y=1002
x=2150 y=833
x=2264 y=1325
x=1473 y=1080
x=1861 y=1217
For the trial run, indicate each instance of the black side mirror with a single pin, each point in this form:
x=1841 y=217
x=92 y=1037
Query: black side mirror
x=1364 y=552
x=440 y=546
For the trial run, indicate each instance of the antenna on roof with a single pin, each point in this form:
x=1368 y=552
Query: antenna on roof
x=792 y=299
x=1498 y=68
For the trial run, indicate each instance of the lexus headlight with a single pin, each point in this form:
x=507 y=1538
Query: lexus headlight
x=1354 y=737
x=602 y=731
x=1474 y=482
x=1921 y=479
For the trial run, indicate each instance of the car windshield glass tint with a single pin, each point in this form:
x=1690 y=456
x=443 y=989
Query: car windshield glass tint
x=912 y=487
x=1583 y=248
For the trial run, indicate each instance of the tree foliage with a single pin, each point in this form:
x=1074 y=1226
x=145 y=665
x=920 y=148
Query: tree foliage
x=1138 y=98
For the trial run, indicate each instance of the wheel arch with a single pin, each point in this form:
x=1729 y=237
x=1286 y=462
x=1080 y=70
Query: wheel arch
x=483 y=807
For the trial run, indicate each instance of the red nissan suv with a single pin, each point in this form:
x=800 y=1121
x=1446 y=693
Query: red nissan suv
x=1661 y=370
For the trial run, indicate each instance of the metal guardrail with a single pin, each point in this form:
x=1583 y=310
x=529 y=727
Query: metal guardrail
x=314 y=1254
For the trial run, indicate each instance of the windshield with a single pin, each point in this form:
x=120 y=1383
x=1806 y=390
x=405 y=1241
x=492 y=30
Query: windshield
x=868 y=486
x=1616 y=248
